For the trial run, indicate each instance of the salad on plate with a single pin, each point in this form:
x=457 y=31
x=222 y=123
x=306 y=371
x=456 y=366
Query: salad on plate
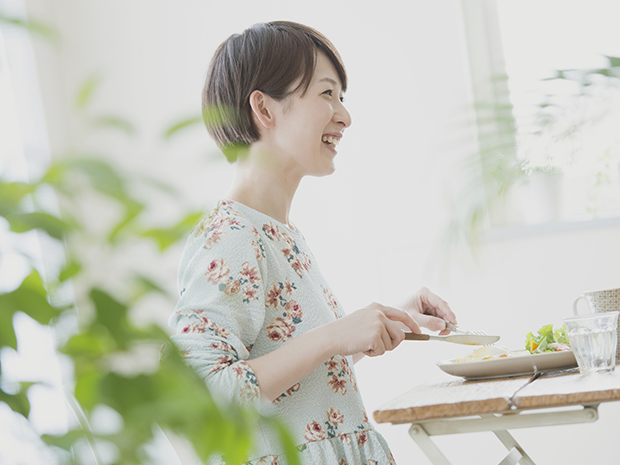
x=547 y=340
x=546 y=350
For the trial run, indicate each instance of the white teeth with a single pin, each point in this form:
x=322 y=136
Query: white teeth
x=331 y=140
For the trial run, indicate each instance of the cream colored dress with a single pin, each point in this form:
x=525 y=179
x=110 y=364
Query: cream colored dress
x=249 y=284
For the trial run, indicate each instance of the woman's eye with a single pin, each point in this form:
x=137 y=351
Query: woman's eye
x=330 y=92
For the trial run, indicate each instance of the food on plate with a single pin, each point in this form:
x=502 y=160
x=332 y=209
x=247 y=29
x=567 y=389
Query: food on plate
x=547 y=340
x=485 y=353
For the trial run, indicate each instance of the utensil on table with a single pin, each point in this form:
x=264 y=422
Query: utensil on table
x=458 y=330
x=467 y=339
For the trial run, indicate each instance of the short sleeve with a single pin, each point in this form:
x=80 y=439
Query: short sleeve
x=222 y=306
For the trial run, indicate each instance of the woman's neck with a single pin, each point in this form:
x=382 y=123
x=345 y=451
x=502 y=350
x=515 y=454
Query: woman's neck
x=262 y=183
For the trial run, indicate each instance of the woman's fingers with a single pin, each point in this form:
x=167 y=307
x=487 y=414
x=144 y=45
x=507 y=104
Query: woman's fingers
x=379 y=342
x=431 y=322
x=440 y=306
x=396 y=314
x=396 y=322
x=396 y=332
x=386 y=338
x=374 y=330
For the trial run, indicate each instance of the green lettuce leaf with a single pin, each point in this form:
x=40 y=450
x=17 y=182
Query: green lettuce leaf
x=546 y=339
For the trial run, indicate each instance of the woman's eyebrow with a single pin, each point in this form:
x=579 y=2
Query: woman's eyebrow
x=329 y=80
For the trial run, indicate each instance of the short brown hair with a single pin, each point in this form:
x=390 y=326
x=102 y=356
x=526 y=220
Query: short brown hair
x=268 y=57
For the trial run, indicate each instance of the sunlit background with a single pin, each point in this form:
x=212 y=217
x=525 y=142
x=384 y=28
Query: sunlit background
x=377 y=226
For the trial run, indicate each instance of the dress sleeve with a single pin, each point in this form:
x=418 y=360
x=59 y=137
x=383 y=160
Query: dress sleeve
x=221 y=309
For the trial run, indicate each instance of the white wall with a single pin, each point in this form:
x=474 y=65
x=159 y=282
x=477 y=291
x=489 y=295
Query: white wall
x=374 y=224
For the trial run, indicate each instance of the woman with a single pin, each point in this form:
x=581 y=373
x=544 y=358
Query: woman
x=256 y=318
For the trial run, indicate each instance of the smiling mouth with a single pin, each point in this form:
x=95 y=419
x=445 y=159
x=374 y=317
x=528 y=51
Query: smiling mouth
x=331 y=141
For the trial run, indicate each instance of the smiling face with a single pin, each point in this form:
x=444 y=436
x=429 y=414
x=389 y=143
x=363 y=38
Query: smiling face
x=308 y=128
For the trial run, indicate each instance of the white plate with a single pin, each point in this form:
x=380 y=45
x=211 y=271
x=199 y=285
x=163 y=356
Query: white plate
x=510 y=366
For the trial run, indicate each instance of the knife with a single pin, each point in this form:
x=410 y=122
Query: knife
x=467 y=339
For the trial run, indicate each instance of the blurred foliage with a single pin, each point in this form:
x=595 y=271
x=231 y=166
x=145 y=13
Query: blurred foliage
x=216 y=118
x=487 y=173
x=490 y=172
x=155 y=389
x=183 y=124
x=34 y=27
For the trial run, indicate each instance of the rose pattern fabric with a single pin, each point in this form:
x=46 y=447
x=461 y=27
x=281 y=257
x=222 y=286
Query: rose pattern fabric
x=281 y=328
x=202 y=323
x=314 y=432
x=257 y=245
x=331 y=301
x=334 y=419
x=250 y=389
x=299 y=261
x=248 y=285
x=217 y=272
x=339 y=373
x=289 y=392
x=213 y=227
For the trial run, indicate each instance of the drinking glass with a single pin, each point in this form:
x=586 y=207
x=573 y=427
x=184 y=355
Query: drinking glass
x=594 y=339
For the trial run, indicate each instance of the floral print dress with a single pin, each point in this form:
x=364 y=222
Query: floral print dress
x=248 y=285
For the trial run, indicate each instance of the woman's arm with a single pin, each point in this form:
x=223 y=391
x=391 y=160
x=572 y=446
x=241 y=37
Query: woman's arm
x=428 y=310
x=371 y=331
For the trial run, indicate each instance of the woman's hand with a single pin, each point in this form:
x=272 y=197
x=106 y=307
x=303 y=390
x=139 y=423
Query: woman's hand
x=429 y=310
x=372 y=330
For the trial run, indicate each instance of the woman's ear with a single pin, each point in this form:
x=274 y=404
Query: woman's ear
x=261 y=108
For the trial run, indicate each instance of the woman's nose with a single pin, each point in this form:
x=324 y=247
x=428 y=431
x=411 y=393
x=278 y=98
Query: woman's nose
x=342 y=116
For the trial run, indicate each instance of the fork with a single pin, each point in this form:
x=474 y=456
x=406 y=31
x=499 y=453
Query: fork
x=459 y=330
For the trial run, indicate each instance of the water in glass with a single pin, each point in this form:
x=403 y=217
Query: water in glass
x=595 y=350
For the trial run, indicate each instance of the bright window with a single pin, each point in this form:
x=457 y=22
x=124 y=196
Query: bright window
x=583 y=140
x=560 y=124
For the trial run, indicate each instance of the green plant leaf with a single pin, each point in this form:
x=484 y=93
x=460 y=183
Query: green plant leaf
x=32 y=26
x=161 y=186
x=145 y=285
x=31 y=298
x=183 y=124
x=7 y=333
x=114 y=122
x=104 y=178
x=69 y=270
x=132 y=210
x=86 y=91
x=17 y=402
x=52 y=225
x=89 y=345
x=290 y=449
x=165 y=237
x=87 y=385
x=613 y=61
x=112 y=315
x=11 y=195
x=66 y=441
